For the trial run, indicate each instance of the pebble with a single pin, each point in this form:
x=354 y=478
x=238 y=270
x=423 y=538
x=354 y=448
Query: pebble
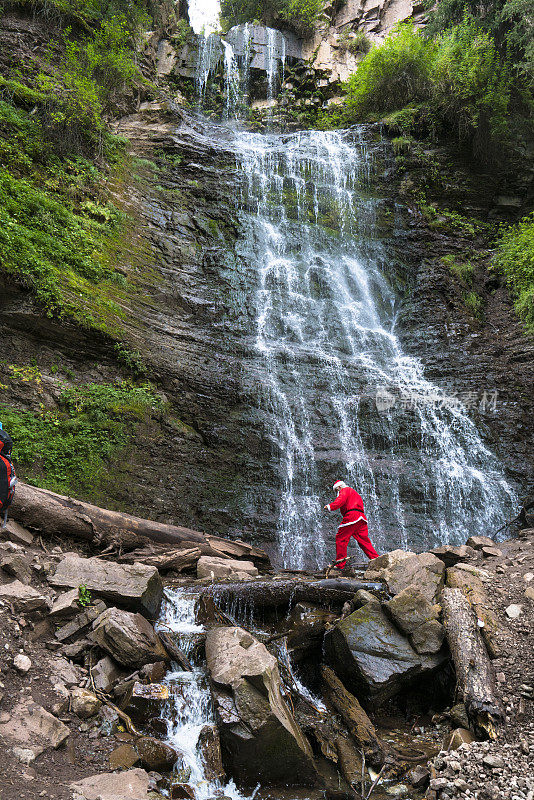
x=513 y=611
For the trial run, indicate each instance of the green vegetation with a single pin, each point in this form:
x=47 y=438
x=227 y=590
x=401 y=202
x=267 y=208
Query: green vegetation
x=69 y=449
x=514 y=258
x=53 y=245
x=456 y=82
x=474 y=303
x=301 y=15
x=463 y=271
x=84 y=596
x=356 y=43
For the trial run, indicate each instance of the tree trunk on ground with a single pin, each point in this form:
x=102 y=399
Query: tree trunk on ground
x=358 y=723
x=276 y=593
x=53 y=513
x=164 y=558
x=474 y=671
x=350 y=762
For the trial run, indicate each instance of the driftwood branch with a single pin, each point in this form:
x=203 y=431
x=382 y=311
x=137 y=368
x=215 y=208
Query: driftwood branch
x=50 y=513
x=474 y=671
x=358 y=723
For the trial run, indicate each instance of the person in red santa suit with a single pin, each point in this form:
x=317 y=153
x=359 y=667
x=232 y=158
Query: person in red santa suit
x=354 y=523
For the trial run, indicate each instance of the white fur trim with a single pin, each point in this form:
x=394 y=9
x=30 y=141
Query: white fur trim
x=338 y=485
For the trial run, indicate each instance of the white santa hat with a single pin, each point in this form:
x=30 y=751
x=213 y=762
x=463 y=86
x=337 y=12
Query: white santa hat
x=338 y=485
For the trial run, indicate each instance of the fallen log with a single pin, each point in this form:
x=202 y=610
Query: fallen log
x=358 y=723
x=475 y=675
x=276 y=593
x=50 y=513
x=164 y=558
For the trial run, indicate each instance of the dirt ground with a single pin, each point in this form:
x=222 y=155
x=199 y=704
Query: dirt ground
x=87 y=749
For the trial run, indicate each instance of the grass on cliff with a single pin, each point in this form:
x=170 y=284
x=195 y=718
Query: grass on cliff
x=71 y=448
x=59 y=234
x=514 y=258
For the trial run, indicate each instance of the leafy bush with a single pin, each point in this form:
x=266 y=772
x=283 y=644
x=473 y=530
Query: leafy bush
x=302 y=15
x=456 y=80
x=68 y=449
x=474 y=303
x=462 y=270
x=514 y=257
x=471 y=83
x=393 y=75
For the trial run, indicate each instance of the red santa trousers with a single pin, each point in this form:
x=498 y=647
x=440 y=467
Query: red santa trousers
x=359 y=531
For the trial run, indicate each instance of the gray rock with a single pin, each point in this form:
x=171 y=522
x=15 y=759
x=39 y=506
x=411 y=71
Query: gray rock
x=23 y=598
x=451 y=555
x=84 y=703
x=424 y=571
x=372 y=657
x=258 y=731
x=17 y=565
x=212 y=567
x=33 y=728
x=362 y=596
x=128 y=638
x=66 y=605
x=16 y=533
x=147 y=700
x=478 y=542
x=135 y=586
x=22 y=663
x=123 y=757
x=495 y=762
x=131 y=784
x=105 y=673
x=155 y=754
x=418 y=776
x=209 y=745
x=415 y=616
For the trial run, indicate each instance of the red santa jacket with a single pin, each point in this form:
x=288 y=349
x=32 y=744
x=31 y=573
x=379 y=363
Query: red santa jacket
x=350 y=504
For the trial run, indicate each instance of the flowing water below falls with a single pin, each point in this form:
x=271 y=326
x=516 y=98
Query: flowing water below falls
x=340 y=397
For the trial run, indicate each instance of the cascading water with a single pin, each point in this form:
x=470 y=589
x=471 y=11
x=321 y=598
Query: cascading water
x=190 y=706
x=326 y=346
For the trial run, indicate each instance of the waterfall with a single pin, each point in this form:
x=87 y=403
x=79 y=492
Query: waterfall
x=337 y=389
x=338 y=395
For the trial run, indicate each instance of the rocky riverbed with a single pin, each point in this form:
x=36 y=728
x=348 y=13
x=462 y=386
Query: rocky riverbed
x=304 y=696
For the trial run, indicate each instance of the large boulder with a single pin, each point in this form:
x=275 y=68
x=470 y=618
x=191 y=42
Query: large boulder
x=260 y=738
x=128 y=638
x=134 y=586
x=374 y=659
x=424 y=571
x=478 y=542
x=417 y=618
x=129 y=785
x=213 y=567
x=32 y=729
